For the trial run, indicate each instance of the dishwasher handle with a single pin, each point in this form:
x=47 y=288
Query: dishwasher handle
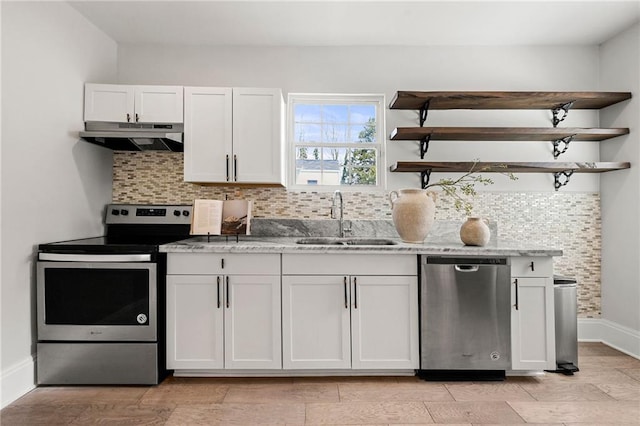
x=465 y=261
x=467 y=268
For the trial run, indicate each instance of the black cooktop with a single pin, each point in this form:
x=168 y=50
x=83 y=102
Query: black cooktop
x=106 y=244
x=131 y=229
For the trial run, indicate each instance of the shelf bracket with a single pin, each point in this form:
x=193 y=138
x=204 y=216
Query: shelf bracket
x=556 y=145
x=564 y=108
x=561 y=178
x=424 y=145
x=424 y=178
x=424 y=110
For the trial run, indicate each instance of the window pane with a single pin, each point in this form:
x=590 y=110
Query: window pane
x=362 y=113
x=335 y=133
x=307 y=133
x=360 y=176
x=335 y=113
x=360 y=167
x=363 y=132
x=307 y=113
x=318 y=166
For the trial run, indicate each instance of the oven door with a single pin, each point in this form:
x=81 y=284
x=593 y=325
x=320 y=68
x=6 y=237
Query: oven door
x=96 y=298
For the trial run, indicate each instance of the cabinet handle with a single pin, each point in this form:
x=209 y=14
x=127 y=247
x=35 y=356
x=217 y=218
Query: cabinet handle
x=137 y=118
x=355 y=292
x=346 y=297
x=227 y=167
x=235 y=168
x=222 y=263
x=128 y=117
x=516 y=283
x=227 y=291
x=218 y=292
x=532 y=266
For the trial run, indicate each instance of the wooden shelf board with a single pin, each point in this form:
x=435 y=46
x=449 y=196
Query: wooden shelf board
x=505 y=100
x=501 y=167
x=504 y=133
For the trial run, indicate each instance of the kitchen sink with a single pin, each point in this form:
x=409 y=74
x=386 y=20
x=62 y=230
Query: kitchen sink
x=346 y=241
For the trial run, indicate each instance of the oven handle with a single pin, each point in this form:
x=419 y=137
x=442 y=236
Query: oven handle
x=66 y=257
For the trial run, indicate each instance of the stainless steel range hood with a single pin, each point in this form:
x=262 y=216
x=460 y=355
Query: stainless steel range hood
x=135 y=136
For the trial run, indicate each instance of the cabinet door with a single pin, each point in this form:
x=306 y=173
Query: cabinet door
x=252 y=322
x=108 y=102
x=194 y=322
x=315 y=322
x=158 y=104
x=258 y=147
x=532 y=324
x=384 y=322
x=207 y=134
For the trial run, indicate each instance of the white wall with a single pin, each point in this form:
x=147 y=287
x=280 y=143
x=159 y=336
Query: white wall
x=388 y=69
x=620 y=192
x=54 y=186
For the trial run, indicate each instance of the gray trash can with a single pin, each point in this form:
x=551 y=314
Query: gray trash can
x=566 y=313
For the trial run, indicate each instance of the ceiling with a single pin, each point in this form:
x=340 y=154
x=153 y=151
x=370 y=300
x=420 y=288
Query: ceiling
x=361 y=22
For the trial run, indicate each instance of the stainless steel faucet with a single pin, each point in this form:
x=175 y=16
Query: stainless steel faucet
x=337 y=196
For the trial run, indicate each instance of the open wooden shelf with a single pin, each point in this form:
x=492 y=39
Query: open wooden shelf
x=506 y=100
x=502 y=167
x=505 y=133
x=558 y=102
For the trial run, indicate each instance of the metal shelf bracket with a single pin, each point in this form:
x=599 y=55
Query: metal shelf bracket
x=556 y=145
x=561 y=178
x=424 y=178
x=424 y=145
x=424 y=110
x=565 y=111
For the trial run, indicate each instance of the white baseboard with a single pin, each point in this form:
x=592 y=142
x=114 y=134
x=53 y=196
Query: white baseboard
x=16 y=381
x=610 y=333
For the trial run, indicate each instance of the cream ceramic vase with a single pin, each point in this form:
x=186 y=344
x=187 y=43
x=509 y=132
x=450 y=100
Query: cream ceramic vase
x=475 y=232
x=413 y=213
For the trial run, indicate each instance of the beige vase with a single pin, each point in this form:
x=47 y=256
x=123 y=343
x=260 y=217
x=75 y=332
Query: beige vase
x=475 y=232
x=413 y=213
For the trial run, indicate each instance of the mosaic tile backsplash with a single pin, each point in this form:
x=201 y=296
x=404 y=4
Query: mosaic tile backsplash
x=570 y=221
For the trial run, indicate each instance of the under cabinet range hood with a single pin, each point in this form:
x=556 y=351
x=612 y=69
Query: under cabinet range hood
x=135 y=136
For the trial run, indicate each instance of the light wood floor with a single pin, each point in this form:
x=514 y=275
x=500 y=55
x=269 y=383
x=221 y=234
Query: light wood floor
x=606 y=391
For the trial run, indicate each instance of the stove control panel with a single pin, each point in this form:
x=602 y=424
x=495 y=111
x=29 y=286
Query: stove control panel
x=148 y=214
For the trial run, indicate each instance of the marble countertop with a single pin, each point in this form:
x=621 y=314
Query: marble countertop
x=264 y=244
x=282 y=235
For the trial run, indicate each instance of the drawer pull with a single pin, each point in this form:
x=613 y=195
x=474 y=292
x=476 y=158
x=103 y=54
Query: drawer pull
x=346 y=297
x=355 y=292
x=227 y=291
x=218 y=292
x=532 y=266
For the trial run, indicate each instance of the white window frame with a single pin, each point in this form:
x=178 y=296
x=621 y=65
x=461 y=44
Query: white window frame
x=333 y=99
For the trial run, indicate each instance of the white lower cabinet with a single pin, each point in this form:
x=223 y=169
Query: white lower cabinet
x=316 y=322
x=532 y=314
x=384 y=322
x=195 y=323
x=350 y=321
x=217 y=321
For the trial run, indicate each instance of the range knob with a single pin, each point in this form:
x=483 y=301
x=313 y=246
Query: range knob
x=176 y=212
x=124 y=212
x=115 y=212
x=185 y=212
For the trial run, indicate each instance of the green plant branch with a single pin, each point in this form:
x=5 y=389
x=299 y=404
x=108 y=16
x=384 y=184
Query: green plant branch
x=463 y=188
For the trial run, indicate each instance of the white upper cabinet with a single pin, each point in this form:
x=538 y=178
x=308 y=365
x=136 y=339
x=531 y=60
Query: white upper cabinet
x=208 y=136
x=234 y=135
x=133 y=104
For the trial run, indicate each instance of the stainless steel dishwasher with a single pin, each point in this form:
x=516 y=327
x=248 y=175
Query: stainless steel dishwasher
x=465 y=318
